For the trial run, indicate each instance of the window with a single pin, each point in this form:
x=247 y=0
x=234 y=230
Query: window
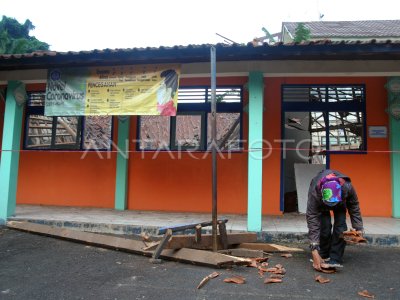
x=191 y=128
x=79 y=133
x=336 y=114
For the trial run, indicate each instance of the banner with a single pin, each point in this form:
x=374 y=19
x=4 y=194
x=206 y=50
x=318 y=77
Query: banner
x=119 y=90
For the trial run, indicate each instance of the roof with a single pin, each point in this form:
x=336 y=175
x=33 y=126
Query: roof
x=310 y=50
x=349 y=29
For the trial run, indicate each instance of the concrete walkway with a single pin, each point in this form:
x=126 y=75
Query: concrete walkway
x=288 y=227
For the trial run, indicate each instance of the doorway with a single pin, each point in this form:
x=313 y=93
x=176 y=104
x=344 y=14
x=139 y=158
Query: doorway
x=303 y=155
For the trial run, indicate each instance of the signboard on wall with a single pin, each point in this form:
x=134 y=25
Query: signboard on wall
x=377 y=131
x=119 y=90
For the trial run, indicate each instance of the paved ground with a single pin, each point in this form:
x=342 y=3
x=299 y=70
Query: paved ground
x=38 y=267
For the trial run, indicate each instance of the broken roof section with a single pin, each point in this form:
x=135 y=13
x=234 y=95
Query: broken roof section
x=310 y=50
x=345 y=30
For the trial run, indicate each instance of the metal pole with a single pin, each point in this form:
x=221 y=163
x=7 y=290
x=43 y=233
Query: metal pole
x=214 y=148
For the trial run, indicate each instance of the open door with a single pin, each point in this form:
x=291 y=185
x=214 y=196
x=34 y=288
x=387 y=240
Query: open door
x=303 y=156
x=317 y=120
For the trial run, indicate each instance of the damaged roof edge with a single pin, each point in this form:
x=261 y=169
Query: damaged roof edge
x=312 y=50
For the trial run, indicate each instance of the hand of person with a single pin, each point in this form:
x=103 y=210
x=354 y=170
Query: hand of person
x=317 y=260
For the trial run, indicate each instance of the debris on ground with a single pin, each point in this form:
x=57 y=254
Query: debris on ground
x=321 y=279
x=207 y=279
x=235 y=279
x=366 y=294
x=287 y=255
x=267 y=247
x=273 y=280
x=234 y=249
x=353 y=237
x=329 y=270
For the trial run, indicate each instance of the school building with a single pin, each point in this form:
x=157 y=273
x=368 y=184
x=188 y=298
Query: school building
x=284 y=112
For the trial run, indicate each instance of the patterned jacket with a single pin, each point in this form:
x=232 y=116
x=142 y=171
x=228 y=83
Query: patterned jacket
x=315 y=206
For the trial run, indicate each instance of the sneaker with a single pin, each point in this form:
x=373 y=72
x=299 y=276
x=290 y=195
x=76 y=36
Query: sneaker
x=326 y=259
x=333 y=264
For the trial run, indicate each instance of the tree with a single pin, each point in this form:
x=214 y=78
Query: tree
x=302 y=33
x=15 y=38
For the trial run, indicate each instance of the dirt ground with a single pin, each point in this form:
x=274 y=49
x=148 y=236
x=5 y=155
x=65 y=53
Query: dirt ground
x=38 y=267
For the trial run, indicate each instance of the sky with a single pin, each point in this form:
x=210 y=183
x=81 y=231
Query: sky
x=75 y=25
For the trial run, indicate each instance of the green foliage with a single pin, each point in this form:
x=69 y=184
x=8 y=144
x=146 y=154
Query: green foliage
x=15 y=38
x=302 y=33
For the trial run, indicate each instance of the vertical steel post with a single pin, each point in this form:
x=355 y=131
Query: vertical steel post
x=214 y=148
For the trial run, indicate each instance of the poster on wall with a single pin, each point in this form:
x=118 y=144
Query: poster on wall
x=118 y=90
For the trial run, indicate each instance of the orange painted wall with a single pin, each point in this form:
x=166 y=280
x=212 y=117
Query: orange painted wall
x=370 y=172
x=184 y=184
x=63 y=178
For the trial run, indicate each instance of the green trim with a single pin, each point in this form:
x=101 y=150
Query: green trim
x=394 y=140
x=395 y=165
x=121 y=177
x=10 y=153
x=254 y=202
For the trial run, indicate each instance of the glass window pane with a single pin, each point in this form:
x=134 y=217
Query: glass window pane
x=226 y=95
x=318 y=138
x=39 y=132
x=97 y=132
x=36 y=98
x=345 y=93
x=228 y=131
x=154 y=132
x=67 y=133
x=304 y=94
x=346 y=131
x=191 y=95
x=188 y=131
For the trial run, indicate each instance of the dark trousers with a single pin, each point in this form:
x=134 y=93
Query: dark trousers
x=332 y=243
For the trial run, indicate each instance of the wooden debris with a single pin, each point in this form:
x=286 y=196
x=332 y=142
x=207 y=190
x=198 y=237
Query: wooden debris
x=241 y=252
x=189 y=241
x=268 y=247
x=222 y=234
x=145 y=237
x=235 y=279
x=198 y=234
x=187 y=226
x=192 y=256
x=162 y=243
x=287 y=255
x=353 y=237
x=150 y=246
x=280 y=276
x=278 y=269
x=366 y=294
x=327 y=270
x=207 y=279
x=321 y=279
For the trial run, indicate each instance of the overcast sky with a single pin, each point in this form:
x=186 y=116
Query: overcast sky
x=75 y=25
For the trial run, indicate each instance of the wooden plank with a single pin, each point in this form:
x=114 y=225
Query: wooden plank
x=189 y=241
x=222 y=234
x=242 y=252
x=207 y=258
x=192 y=256
x=268 y=247
x=186 y=226
x=162 y=243
x=198 y=233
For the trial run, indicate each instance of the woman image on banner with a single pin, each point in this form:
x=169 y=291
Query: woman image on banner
x=166 y=93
